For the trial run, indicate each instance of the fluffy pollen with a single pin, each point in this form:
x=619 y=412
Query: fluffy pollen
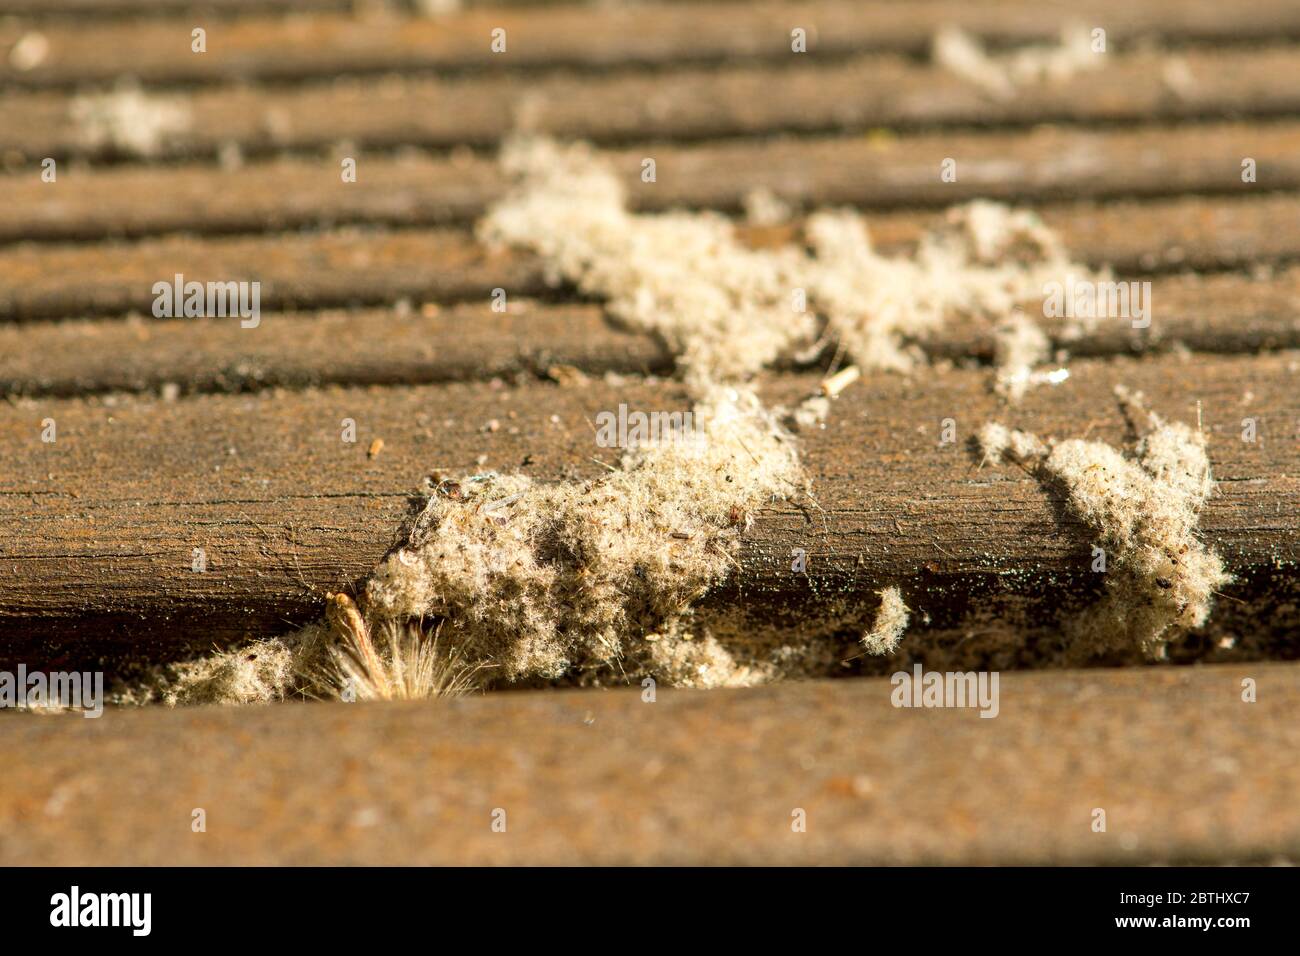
x=541 y=579
x=1002 y=76
x=724 y=310
x=727 y=311
x=890 y=624
x=129 y=121
x=1143 y=510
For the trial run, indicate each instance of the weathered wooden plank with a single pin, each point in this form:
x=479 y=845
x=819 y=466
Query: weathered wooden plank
x=324 y=45
x=357 y=267
x=97 y=529
x=294 y=271
x=88 y=9
x=1224 y=312
x=685 y=104
x=392 y=347
x=1042 y=165
x=46 y=9
x=417 y=784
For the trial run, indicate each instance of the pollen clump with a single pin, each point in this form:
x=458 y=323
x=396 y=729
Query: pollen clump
x=1002 y=76
x=890 y=624
x=129 y=121
x=727 y=311
x=1143 y=511
x=541 y=579
x=257 y=672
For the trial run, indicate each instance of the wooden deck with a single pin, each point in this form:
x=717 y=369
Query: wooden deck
x=176 y=434
x=696 y=778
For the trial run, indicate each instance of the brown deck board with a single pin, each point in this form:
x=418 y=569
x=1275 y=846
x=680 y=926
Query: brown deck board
x=1044 y=165
x=362 y=267
x=102 y=523
x=599 y=777
x=1224 y=313
x=874 y=92
x=269 y=48
x=83 y=9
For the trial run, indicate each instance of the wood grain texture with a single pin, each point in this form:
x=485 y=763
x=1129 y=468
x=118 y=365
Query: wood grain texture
x=599 y=37
x=1221 y=313
x=339 y=269
x=363 y=347
x=803 y=97
x=696 y=778
x=358 y=267
x=97 y=529
x=1043 y=165
x=84 y=10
